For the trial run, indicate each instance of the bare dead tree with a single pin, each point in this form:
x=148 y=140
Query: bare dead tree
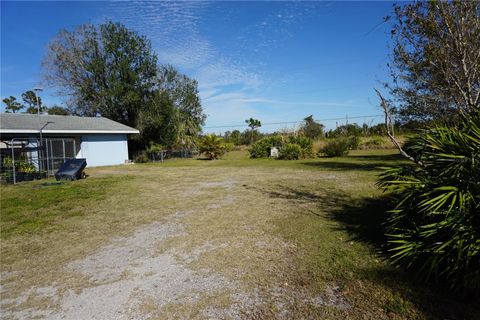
x=387 y=110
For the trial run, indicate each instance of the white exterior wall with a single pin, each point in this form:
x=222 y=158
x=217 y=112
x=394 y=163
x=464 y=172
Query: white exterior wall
x=104 y=150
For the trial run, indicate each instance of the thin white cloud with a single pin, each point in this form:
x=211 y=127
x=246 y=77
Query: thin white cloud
x=222 y=109
x=244 y=98
x=175 y=32
x=189 y=54
x=171 y=26
x=230 y=82
x=276 y=28
x=223 y=73
x=281 y=102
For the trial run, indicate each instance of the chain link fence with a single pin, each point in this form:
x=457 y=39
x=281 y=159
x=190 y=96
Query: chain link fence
x=163 y=155
x=26 y=159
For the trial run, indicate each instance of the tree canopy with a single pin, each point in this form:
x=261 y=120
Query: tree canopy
x=182 y=92
x=311 y=128
x=112 y=71
x=31 y=103
x=57 y=110
x=107 y=70
x=253 y=124
x=12 y=105
x=436 y=59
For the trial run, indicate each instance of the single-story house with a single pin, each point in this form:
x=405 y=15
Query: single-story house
x=100 y=140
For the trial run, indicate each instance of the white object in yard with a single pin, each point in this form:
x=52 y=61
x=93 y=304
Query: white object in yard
x=274 y=152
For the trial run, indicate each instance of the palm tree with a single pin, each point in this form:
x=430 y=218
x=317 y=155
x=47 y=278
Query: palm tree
x=212 y=146
x=12 y=105
x=253 y=124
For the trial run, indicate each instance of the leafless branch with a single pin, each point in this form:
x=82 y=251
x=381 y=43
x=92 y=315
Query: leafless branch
x=384 y=103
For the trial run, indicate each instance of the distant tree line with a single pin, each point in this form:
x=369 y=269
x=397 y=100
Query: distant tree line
x=311 y=129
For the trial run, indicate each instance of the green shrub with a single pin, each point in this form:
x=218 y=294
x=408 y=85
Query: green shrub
x=261 y=148
x=305 y=143
x=346 y=130
x=336 y=147
x=212 y=146
x=141 y=158
x=154 y=150
x=21 y=164
x=374 y=141
x=25 y=167
x=8 y=162
x=434 y=230
x=229 y=146
x=353 y=142
x=414 y=146
x=290 y=151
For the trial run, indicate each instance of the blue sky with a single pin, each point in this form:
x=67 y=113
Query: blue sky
x=275 y=61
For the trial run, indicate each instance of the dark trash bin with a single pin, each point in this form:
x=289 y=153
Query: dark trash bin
x=71 y=170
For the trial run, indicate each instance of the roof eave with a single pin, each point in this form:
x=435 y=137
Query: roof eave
x=3 y=131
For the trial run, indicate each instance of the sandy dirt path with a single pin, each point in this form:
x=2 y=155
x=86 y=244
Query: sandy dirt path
x=166 y=270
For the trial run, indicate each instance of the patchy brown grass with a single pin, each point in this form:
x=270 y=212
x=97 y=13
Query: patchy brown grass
x=296 y=239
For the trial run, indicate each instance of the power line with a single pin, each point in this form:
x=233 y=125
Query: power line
x=290 y=122
x=384 y=20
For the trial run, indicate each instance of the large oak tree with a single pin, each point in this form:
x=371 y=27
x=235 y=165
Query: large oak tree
x=112 y=71
x=107 y=70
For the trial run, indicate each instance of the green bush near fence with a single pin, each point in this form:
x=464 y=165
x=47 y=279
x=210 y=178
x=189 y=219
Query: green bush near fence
x=262 y=148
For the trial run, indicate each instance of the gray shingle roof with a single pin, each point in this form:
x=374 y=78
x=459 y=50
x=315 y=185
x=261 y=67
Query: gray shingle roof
x=28 y=123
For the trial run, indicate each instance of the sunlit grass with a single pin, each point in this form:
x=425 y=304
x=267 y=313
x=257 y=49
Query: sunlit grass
x=301 y=225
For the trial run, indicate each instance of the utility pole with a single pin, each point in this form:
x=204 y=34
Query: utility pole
x=36 y=96
x=40 y=144
x=40 y=149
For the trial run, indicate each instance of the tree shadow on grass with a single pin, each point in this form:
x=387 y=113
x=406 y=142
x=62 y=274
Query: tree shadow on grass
x=49 y=184
x=334 y=165
x=363 y=219
x=289 y=193
x=357 y=162
x=377 y=157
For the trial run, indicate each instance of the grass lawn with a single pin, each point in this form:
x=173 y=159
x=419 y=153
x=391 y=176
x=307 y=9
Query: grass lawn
x=231 y=238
